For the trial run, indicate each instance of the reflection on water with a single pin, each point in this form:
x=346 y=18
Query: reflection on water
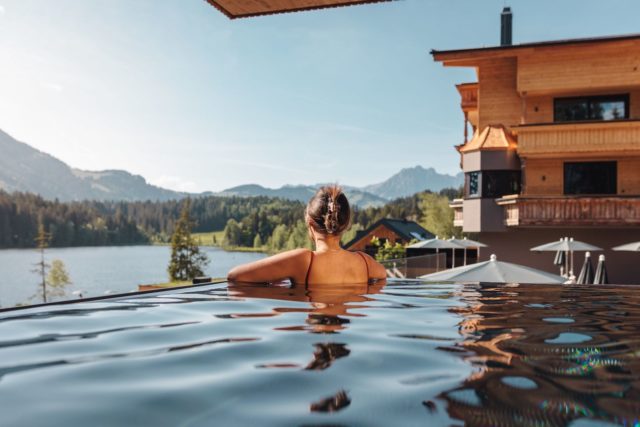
x=404 y=354
x=549 y=355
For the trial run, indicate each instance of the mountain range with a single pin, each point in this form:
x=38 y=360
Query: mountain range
x=24 y=168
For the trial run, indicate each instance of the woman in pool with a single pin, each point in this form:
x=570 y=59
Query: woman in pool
x=328 y=215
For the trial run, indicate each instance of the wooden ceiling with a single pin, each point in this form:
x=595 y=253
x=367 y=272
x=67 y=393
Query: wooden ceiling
x=246 y=8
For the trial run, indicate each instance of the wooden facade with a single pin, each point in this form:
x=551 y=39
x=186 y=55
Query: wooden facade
x=248 y=8
x=516 y=89
x=579 y=175
x=388 y=230
x=571 y=212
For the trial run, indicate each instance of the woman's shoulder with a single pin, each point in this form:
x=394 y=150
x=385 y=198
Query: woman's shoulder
x=367 y=257
x=376 y=270
x=294 y=253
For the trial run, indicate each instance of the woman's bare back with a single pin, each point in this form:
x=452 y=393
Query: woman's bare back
x=304 y=267
x=337 y=267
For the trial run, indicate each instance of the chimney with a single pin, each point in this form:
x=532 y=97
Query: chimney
x=506 y=27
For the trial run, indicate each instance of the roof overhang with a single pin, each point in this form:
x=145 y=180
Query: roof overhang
x=493 y=137
x=470 y=57
x=247 y=8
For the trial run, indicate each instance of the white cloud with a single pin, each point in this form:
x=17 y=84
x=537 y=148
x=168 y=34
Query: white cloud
x=2 y=10
x=175 y=183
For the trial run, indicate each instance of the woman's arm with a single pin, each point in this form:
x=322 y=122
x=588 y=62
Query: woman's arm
x=376 y=270
x=287 y=265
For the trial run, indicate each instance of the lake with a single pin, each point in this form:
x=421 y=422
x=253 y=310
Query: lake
x=96 y=270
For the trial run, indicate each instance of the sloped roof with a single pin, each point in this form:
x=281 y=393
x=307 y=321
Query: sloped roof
x=247 y=8
x=458 y=54
x=493 y=137
x=407 y=230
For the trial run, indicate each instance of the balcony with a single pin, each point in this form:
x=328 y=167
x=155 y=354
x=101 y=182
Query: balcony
x=590 y=138
x=560 y=211
x=469 y=96
x=456 y=205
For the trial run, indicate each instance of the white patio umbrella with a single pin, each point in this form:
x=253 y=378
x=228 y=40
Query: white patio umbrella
x=494 y=271
x=468 y=244
x=560 y=260
x=586 y=273
x=567 y=245
x=437 y=244
x=601 y=277
x=629 y=247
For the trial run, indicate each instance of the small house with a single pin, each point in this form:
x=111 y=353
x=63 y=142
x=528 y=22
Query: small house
x=388 y=230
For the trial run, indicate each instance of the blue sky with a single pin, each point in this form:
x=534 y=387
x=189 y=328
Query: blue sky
x=176 y=92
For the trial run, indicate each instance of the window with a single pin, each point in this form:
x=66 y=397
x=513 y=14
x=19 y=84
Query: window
x=500 y=183
x=492 y=183
x=473 y=184
x=590 y=178
x=609 y=107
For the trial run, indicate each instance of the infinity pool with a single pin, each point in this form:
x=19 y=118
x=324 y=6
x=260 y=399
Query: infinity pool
x=410 y=353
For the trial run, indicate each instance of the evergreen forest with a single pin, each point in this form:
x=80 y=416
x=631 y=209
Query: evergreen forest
x=260 y=223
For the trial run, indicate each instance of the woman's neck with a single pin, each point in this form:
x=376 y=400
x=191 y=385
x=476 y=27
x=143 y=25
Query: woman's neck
x=327 y=243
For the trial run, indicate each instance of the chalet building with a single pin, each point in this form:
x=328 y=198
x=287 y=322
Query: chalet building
x=554 y=147
x=388 y=230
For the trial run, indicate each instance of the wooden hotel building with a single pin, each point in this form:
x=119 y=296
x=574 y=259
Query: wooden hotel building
x=553 y=147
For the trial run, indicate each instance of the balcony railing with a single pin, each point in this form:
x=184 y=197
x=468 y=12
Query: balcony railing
x=590 y=138
x=456 y=205
x=571 y=211
x=469 y=96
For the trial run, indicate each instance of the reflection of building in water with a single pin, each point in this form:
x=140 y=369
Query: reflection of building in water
x=547 y=355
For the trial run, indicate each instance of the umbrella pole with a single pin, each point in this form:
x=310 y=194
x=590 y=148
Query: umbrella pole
x=465 y=256
x=437 y=260
x=453 y=258
x=571 y=272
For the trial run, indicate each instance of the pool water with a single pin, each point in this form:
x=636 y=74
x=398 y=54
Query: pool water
x=409 y=353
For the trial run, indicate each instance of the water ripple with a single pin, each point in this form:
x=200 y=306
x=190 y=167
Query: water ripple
x=406 y=354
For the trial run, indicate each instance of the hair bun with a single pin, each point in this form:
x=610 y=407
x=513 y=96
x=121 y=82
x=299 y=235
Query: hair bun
x=329 y=211
x=331 y=218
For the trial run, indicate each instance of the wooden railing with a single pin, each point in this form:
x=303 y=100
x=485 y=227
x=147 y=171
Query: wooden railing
x=469 y=96
x=571 y=211
x=590 y=138
x=456 y=205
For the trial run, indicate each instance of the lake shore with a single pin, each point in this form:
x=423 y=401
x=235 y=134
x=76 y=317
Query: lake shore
x=97 y=270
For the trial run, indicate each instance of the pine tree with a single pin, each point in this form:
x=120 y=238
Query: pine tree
x=42 y=242
x=187 y=262
x=257 y=242
x=57 y=279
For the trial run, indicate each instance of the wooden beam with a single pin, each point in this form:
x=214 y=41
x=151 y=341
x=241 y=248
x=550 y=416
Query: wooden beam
x=248 y=8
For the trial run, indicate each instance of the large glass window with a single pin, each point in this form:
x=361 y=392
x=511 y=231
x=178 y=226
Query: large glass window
x=492 y=183
x=590 y=177
x=500 y=183
x=609 y=107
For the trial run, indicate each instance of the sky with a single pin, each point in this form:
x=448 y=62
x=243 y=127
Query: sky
x=178 y=93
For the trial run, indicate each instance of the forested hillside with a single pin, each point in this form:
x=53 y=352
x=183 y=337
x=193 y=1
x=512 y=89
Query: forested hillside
x=70 y=224
x=257 y=222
